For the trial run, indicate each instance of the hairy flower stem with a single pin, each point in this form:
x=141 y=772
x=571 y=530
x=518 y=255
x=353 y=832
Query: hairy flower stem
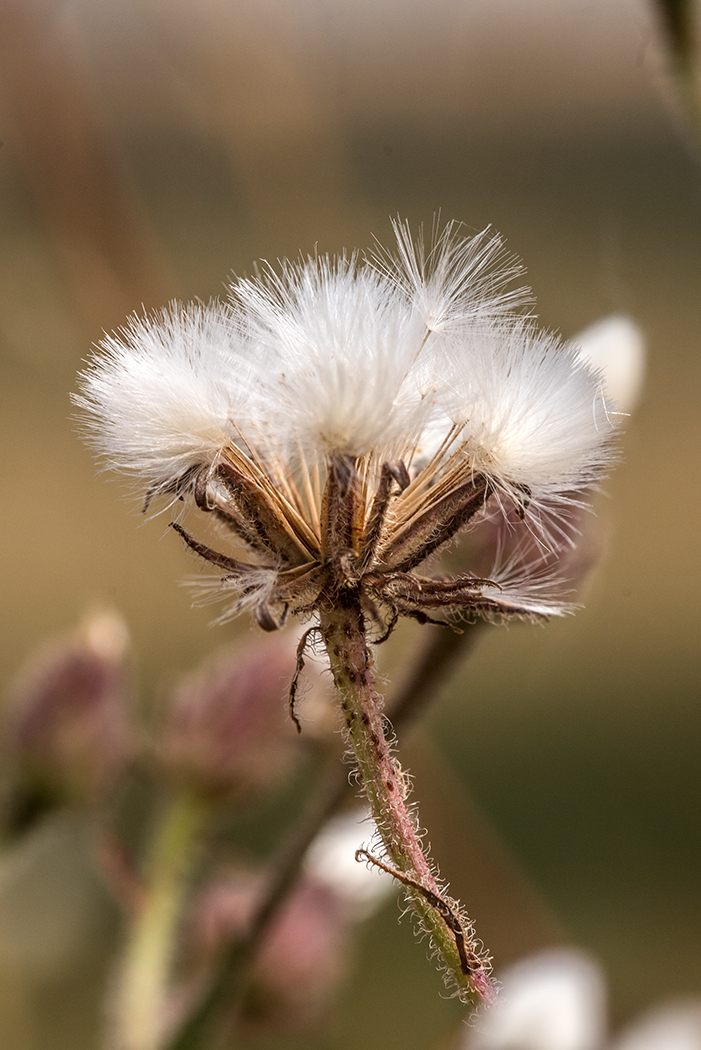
x=146 y=968
x=343 y=631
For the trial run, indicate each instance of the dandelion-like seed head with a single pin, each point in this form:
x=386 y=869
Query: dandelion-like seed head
x=344 y=419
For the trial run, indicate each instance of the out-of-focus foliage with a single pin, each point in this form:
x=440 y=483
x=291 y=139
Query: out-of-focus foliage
x=681 y=24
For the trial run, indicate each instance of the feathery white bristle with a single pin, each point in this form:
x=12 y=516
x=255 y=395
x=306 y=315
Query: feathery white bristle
x=168 y=393
x=534 y=414
x=528 y=586
x=456 y=279
x=339 y=344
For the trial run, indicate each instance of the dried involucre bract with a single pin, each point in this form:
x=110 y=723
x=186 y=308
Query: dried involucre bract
x=343 y=420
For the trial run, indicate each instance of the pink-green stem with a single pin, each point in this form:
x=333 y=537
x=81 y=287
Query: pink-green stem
x=144 y=987
x=343 y=631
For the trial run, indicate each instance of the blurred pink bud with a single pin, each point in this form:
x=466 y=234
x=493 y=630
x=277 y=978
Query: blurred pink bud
x=302 y=958
x=68 y=735
x=228 y=728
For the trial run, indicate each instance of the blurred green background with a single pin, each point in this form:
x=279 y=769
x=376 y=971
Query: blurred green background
x=148 y=149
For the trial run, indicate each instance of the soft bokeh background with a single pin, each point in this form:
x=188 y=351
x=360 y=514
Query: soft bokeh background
x=149 y=148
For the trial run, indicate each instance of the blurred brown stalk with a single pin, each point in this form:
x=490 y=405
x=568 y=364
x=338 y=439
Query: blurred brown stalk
x=110 y=257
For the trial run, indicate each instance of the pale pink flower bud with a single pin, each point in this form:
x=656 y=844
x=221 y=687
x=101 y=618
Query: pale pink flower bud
x=556 y=1001
x=674 y=1026
x=228 y=728
x=69 y=734
x=301 y=960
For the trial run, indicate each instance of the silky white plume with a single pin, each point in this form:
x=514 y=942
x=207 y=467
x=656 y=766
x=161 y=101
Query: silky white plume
x=344 y=357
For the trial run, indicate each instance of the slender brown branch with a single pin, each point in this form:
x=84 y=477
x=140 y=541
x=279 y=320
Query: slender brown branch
x=437 y=663
x=229 y=978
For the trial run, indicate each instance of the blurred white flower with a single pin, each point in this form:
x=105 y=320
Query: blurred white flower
x=616 y=346
x=552 y=1001
x=556 y=1001
x=331 y=861
x=674 y=1026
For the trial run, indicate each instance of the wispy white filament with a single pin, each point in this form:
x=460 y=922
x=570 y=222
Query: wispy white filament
x=457 y=279
x=534 y=414
x=339 y=346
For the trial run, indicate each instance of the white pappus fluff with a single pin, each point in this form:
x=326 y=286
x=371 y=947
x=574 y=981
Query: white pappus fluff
x=421 y=359
x=162 y=394
x=533 y=413
x=335 y=356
